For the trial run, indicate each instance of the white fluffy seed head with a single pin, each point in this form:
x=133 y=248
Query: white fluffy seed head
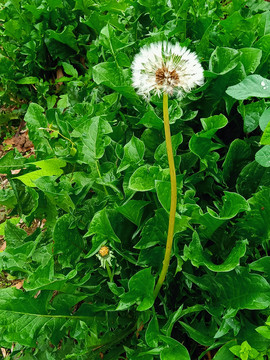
x=163 y=67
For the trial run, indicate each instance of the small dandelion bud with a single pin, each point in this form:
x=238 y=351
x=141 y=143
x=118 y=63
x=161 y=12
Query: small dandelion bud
x=105 y=255
x=104 y=251
x=165 y=68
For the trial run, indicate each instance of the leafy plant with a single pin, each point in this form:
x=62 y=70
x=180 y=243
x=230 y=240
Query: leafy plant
x=100 y=180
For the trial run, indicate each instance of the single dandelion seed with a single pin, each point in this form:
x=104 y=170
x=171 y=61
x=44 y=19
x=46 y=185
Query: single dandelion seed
x=162 y=67
x=165 y=69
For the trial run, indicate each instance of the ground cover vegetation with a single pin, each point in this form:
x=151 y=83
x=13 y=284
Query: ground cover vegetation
x=86 y=207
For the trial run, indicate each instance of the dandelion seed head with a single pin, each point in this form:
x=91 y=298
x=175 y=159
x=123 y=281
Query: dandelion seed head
x=163 y=67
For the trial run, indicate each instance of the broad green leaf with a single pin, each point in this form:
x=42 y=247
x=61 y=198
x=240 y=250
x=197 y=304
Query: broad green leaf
x=174 y=350
x=151 y=120
x=143 y=179
x=28 y=80
x=152 y=332
x=161 y=151
x=200 y=143
x=264 y=119
x=68 y=242
x=163 y=189
x=133 y=210
x=48 y=167
x=250 y=58
x=264 y=331
x=110 y=40
x=27 y=199
x=133 y=153
x=198 y=257
x=223 y=60
x=63 y=102
x=262 y=264
x=265 y=139
x=154 y=231
x=13 y=220
x=233 y=203
x=263 y=156
x=224 y=352
x=252 y=85
x=93 y=134
x=109 y=74
x=8 y=198
x=244 y=351
x=11 y=160
x=212 y=124
x=264 y=43
x=35 y=120
x=101 y=225
x=256 y=221
x=54 y=40
x=201 y=336
x=42 y=276
x=23 y=317
x=16 y=256
x=14 y=235
x=235 y=290
x=251 y=178
x=237 y=157
x=69 y=69
x=251 y=114
x=141 y=289
x=56 y=192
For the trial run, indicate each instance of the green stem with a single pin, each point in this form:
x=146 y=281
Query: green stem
x=50 y=129
x=166 y=260
x=99 y=174
x=109 y=271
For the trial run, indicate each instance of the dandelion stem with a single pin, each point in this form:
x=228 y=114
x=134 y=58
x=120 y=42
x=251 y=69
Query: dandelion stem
x=99 y=174
x=109 y=271
x=169 y=243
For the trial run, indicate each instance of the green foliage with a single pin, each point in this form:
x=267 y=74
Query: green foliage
x=99 y=178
